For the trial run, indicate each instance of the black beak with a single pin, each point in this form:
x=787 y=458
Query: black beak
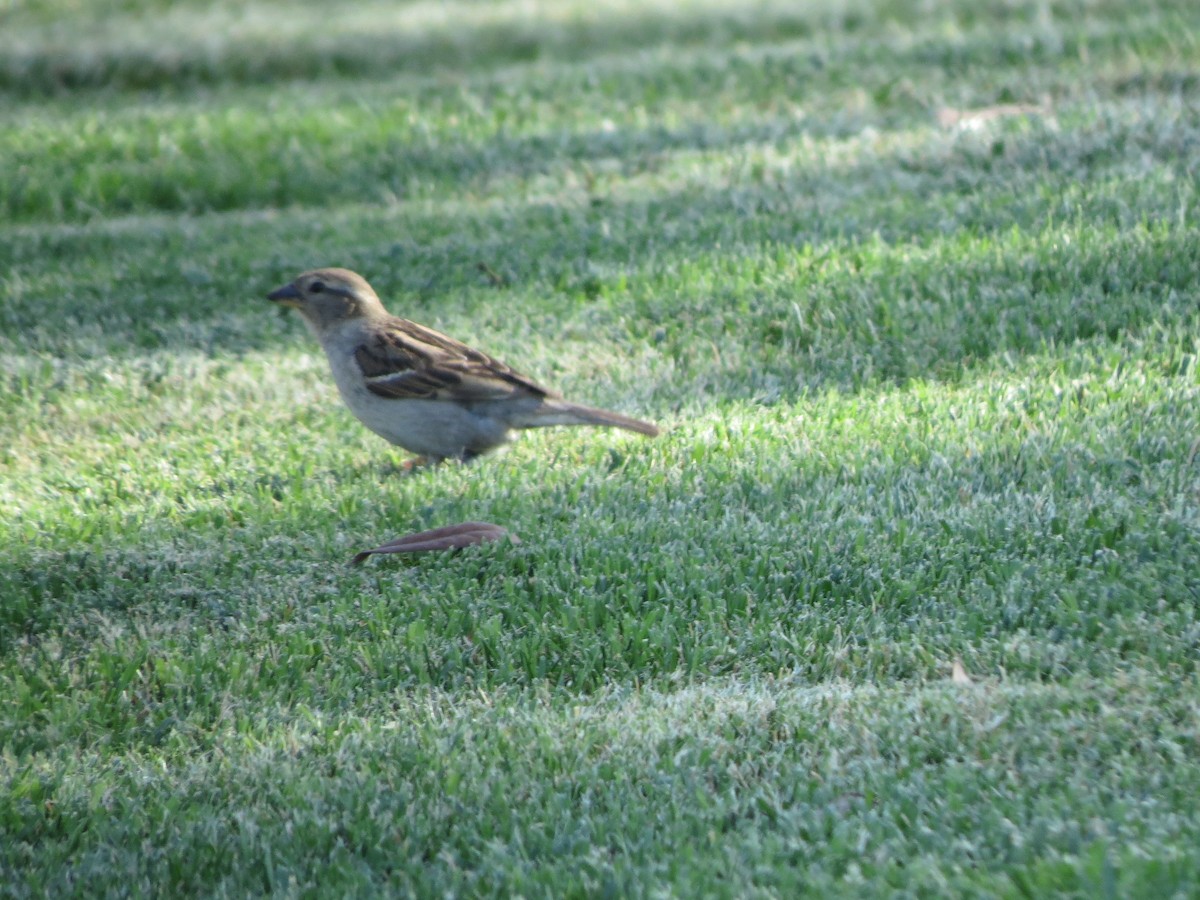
x=284 y=294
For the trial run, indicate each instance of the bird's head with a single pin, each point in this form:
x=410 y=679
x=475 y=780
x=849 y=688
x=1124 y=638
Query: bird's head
x=328 y=297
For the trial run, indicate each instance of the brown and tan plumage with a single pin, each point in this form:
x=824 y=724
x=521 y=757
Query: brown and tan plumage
x=419 y=388
x=415 y=362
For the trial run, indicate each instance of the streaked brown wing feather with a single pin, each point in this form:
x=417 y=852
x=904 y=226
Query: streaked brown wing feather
x=411 y=362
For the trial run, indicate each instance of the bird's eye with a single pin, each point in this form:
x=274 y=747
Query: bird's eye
x=316 y=287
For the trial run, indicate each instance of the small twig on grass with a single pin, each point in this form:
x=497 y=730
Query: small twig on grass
x=494 y=278
x=448 y=537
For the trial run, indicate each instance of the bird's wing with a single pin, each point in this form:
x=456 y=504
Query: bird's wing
x=407 y=361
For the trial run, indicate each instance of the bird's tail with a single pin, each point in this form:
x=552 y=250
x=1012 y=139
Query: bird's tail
x=560 y=412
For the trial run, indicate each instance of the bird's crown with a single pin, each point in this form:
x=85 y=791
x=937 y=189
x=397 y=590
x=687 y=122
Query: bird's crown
x=327 y=296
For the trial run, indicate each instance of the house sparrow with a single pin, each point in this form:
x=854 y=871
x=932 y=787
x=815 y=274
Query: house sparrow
x=418 y=388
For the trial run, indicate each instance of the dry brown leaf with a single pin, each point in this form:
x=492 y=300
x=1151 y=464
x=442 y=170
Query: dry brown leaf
x=958 y=673
x=448 y=537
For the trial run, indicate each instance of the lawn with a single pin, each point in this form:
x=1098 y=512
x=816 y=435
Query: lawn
x=903 y=602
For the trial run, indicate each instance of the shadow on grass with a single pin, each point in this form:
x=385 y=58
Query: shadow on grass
x=907 y=262
x=292 y=158
x=210 y=51
x=807 y=275
x=307 y=48
x=863 y=552
x=199 y=47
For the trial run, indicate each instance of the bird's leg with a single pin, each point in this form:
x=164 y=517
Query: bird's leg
x=410 y=466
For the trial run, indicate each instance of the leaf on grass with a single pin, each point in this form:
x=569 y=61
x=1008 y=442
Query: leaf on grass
x=448 y=537
x=958 y=673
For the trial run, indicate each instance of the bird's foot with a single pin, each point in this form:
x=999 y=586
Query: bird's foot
x=411 y=466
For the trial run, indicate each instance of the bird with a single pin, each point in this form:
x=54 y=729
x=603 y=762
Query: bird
x=418 y=388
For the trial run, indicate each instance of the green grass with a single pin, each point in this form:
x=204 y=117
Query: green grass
x=929 y=393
